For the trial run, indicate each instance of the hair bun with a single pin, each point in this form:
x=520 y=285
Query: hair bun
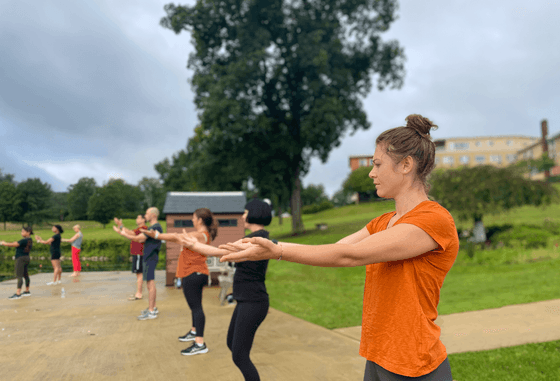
x=420 y=124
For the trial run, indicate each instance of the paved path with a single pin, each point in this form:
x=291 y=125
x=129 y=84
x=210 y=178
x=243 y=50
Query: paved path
x=93 y=334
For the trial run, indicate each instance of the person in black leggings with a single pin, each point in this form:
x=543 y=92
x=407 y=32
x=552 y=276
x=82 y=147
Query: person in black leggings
x=249 y=290
x=23 y=247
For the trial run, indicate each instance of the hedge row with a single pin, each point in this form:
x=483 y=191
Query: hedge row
x=96 y=255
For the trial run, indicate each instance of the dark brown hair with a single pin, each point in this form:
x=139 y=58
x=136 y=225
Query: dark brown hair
x=208 y=219
x=412 y=140
x=28 y=229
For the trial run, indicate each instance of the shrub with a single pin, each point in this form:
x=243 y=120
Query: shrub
x=529 y=237
x=491 y=231
x=315 y=208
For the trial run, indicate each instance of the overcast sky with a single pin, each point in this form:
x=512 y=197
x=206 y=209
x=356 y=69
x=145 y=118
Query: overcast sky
x=97 y=88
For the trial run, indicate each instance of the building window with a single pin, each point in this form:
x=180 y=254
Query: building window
x=480 y=159
x=464 y=159
x=496 y=158
x=371 y=162
x=363 y=162
x=459 y=146
x=490 y=143
x=478 y=144
x=511 y=158
x=227 y=223
x=509 y=142
x=183 y=224
x=448 y=160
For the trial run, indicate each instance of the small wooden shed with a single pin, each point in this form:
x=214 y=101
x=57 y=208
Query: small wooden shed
x=227 y=207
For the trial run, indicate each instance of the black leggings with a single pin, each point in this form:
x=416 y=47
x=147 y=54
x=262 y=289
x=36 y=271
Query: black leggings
x=21 y=271
x=192 y=288
x=246 y=319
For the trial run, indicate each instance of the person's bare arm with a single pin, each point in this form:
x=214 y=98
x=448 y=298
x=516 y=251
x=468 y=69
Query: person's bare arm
x=47 y=242
x=197 y=245
x=75 y=237
x=133 y=237
x=400 y=242
x=9 y=244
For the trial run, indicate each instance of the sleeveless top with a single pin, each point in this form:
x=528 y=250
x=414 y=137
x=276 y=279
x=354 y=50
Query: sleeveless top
x=192 y=262
x=55 y=244
x=78 y=242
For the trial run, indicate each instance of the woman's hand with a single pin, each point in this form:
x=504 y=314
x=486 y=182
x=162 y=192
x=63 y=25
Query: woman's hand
x=236 y=246
x=116 y=229
x=117 y=221
x=188 y=241
x=38 y=239
x=258 y=250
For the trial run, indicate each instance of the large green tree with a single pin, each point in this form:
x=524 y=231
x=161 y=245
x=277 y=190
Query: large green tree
x=35 y=200
x=130 y=196
x=104 y=205
x=10 y=208
x=153 y=192
x=58 y=206
x=472 y=192
x=279 y=82
x=78 y=197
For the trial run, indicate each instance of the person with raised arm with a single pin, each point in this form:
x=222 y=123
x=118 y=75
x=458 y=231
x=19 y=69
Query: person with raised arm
x=54 y=242
x=23 y=248
x=193 y=272
x=76 y=242
x=249 y=289
x=136 y=252
x=150 y=258
x=407 y=254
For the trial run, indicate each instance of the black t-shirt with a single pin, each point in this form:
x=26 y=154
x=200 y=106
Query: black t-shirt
x=55 y=245
x=152 y=245
x=24 y=247
x=248 y=281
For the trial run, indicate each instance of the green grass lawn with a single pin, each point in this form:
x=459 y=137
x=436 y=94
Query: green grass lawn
x=521 y=363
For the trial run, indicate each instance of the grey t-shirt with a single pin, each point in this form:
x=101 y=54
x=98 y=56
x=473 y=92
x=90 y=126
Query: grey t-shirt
x=78 y=242
x=152 y=245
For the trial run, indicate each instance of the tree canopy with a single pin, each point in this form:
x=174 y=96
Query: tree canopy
x=359 y=181
x=35 y=200
x=78 y=197
x=473 y=192
x=278 y=82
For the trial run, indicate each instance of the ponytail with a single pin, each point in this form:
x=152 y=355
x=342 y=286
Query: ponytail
x=209 y=221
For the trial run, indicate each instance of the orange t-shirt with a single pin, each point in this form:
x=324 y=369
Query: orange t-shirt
x=401 y=297
x=191 y=262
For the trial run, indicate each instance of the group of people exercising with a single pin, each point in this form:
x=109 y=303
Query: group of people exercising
x=407 y=254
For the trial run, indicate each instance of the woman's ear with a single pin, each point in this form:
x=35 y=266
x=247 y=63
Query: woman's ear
x=407 y=164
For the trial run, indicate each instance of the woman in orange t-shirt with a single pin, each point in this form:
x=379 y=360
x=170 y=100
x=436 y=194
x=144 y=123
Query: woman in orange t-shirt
x=193 y=272
x=407 y=254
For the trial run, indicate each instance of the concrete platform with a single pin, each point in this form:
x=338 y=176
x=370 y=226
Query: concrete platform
x=494 y=328
x=93 y=334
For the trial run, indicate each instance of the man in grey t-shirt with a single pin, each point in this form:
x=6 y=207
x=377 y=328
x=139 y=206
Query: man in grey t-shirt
x=150 y=259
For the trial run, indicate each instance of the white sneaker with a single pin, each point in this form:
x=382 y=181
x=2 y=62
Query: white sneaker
x=51 y=283
x=59 y=282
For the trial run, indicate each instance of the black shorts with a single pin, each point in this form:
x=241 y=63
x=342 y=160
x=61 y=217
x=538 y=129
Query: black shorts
x=150 y=264
x=55 y=256
x=137 y=261
x=376 y=373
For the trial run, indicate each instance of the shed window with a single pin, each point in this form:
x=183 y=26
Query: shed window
x=227 y=223
x=183 y=224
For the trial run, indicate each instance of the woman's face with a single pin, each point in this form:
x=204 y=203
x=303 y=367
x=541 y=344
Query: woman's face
x=195 y=220
x=54 y=229
x=385 y=174
x=76 y=229
x=24 y=233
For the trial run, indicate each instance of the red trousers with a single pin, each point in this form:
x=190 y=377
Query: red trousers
x=76 y=259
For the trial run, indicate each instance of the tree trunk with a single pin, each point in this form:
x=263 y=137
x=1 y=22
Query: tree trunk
x=295 y=204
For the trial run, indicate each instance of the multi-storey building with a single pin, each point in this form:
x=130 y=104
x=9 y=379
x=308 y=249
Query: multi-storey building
x=535 y=151
x=500 y=151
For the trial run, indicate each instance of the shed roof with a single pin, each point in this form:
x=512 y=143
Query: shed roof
x=217 y=202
